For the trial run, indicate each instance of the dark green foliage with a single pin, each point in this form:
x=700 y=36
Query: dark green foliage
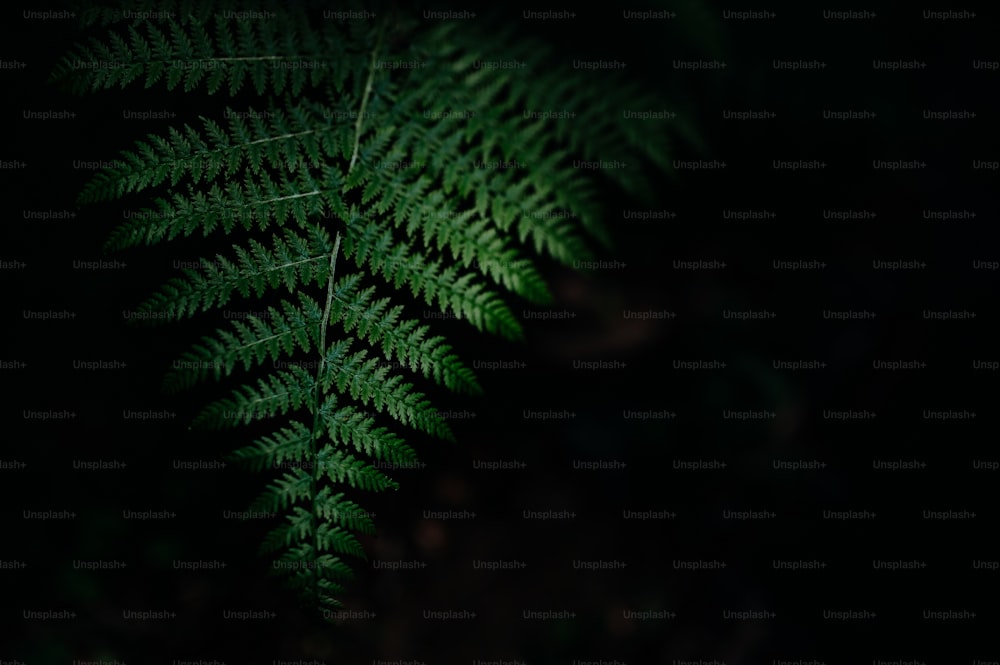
x=431 y=181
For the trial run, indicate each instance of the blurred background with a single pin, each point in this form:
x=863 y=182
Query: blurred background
x=695 y=414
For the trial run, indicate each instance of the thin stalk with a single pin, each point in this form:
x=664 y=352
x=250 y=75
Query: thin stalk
x=325 y=323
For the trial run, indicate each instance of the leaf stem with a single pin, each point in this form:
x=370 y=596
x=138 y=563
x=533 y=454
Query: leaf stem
x=364 y=101
x=324 y=324
x=329 y=297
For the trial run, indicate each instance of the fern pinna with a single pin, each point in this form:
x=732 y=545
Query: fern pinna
x=388 y=154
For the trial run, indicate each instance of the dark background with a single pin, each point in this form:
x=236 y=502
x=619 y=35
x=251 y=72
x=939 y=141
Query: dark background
x=38 y=274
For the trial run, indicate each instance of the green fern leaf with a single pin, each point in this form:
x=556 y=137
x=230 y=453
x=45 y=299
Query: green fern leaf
x=250 y=343
x=288 y=445
x=404 y=339
x=292 y=260
x=438 y=183
x=292 y=487
x=279 y=393
x=365 y=380
x=374 y=247
x=348 y=426
x=191 y=52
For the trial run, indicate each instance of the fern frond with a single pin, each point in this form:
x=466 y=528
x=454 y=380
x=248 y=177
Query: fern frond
x=404 y=339
x=288 y=445
x=295 y=327
x=340 y=540
x=365 y=380
x=348 y=426
x=306 y=572
x=300 y=526
x=339 y=510
x=472 y=241
x=520 y=182
x=292 y=260
x=410 y=199
x=373 y=246
x=343 y=468
x=332 y=566
x=276 y=139
x=282 y=53
x=254 y=204
x=442 y=183
x=277 y=394
x=293 y=486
